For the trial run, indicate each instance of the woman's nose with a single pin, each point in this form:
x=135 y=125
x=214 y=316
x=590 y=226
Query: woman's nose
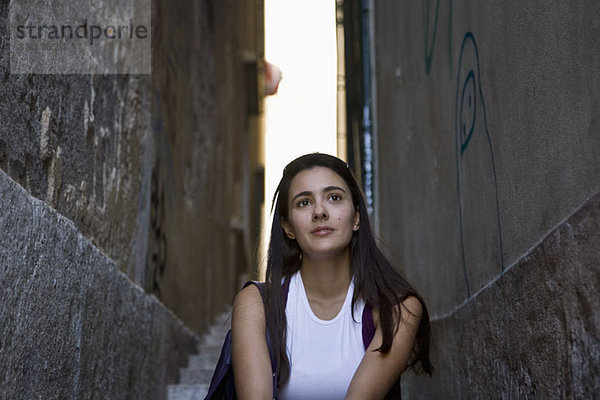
x=319 y=212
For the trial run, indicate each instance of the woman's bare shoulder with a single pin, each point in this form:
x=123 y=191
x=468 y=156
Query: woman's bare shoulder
x=248 y=294
x=414 y=307
x=251 y=361
x=410 y=310
x=248 y=303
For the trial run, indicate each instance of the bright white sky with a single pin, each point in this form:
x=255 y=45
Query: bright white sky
x=300 y=39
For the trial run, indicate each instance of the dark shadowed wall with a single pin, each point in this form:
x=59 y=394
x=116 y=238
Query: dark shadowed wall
x=127 y=205
x=205 y=122
x=488 y=168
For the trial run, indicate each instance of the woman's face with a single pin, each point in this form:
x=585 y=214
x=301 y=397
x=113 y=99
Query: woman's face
x=321 y=215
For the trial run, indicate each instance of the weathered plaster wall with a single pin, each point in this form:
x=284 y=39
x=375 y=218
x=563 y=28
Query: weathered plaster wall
x=72 y=325
x=488 y=119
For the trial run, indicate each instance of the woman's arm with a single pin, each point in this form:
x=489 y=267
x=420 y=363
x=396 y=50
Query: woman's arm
x=377 y=371
x=251 y=361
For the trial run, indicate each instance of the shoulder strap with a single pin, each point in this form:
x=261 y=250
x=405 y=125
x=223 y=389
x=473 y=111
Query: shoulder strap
x=286 y=288
x=368 y=326
x=368 y=331
x=260 y=286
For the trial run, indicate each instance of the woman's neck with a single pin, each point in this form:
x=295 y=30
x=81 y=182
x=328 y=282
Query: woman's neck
x=326 y=279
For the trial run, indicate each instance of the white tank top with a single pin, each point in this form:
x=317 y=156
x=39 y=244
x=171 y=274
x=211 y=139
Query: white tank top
x=323 y=354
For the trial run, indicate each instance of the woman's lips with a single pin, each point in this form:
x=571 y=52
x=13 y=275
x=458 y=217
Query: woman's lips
x=322 y=231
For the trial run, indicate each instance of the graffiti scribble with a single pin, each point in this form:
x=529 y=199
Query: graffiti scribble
x=476 y=184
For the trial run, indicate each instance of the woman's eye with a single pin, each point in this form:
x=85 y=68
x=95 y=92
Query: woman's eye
x=303 y=203
x=335 y=197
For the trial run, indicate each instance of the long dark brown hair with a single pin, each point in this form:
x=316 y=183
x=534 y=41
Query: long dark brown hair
x=375 y=279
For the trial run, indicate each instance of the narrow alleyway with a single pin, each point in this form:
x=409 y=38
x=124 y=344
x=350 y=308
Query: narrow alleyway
x=132 y=196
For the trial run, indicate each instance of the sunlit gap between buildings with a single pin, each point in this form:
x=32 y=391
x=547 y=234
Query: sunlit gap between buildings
x=300 y=40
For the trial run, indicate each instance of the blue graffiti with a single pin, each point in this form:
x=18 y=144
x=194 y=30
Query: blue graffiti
x=476 y=182
x=430 y=27
x=468 y=111
x=430 y=31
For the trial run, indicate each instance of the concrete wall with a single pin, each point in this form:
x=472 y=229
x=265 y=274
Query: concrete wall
x=488 y=141
x=149 y=175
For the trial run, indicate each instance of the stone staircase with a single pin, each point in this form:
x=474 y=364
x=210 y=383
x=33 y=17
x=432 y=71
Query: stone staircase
x=195 y=379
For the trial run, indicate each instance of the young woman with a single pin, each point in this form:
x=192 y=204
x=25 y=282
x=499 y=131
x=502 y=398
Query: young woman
x=321 y=242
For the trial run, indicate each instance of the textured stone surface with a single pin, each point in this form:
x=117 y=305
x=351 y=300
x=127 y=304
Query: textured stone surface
x=155 y=170
x=533 y=333
x=72 y=326
x=83 y=144
x=152 y=176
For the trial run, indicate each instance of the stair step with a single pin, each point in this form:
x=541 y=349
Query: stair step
x=195 y=379
x=213 y=341
x=208 y=361
x=217 y=332
x=190 y=376
x=187 y=392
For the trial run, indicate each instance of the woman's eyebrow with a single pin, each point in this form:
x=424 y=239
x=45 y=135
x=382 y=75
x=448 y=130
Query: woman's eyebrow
x=305 y=193
x=332 y=188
